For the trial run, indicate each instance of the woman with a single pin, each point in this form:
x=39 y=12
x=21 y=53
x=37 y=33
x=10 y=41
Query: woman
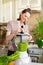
x=15 y=27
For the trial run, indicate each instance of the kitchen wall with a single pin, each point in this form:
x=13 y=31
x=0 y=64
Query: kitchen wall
x=32 y=22
x=42 y=8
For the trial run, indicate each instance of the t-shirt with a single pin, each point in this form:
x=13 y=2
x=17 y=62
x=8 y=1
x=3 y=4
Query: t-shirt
x=11 y=27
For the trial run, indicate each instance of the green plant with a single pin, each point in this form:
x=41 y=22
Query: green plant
x=4 y=60
x=38 y=33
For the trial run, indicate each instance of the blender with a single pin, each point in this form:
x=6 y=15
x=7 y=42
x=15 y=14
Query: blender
x=21 y=41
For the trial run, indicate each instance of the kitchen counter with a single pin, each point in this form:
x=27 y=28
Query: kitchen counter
x=19 y=62
x=31 y=64
x=34 y=64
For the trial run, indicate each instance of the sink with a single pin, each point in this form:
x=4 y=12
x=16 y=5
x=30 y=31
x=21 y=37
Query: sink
x=36 y=54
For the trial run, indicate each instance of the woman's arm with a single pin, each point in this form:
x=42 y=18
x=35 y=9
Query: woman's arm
x=29 y=35
x=10 y=34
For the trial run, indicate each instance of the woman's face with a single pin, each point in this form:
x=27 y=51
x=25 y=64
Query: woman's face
x=25 y=16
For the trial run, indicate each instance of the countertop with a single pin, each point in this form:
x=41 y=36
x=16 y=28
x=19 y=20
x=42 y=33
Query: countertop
x=18 y=62
x=31 y=64
x=35 y=64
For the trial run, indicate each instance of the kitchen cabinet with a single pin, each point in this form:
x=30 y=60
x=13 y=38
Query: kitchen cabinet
x=10 y=9
x=35 y=4
x=5 y=10
x=23 y=4
x=1 y=10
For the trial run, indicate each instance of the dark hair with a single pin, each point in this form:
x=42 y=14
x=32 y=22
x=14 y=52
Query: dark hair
x=27 y=10
x=24 y=11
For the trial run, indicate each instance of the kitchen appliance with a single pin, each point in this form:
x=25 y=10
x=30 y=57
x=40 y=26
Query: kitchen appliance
x=21 y=41
x=36 y=54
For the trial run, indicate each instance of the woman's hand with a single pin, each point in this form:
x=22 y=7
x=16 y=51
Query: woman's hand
x=30 y=38
x=20 y=30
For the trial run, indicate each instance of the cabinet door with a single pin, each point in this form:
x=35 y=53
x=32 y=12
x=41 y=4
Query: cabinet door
x=23 y=4
x=5 y=10
x=1 y=11
x=35 y=4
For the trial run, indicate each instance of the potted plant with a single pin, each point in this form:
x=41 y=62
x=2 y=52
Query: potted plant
x=37 y=33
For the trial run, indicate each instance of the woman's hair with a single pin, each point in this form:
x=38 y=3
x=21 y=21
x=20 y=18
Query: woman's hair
x=24 y=11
